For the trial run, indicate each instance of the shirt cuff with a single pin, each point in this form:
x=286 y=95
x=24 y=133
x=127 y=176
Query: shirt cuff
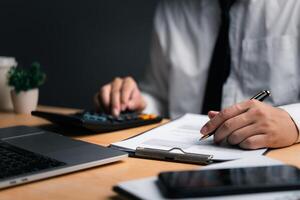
x=294 y=112
x=153 y=106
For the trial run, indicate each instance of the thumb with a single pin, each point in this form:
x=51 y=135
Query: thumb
x=136 y=101
x=136 y=105
x=212 y=114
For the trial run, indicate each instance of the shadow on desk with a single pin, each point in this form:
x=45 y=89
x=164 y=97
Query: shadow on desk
x=117 y=198
x=66 y=130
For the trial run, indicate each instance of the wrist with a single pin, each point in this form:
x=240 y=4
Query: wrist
x=297 y=129
x=294 y=114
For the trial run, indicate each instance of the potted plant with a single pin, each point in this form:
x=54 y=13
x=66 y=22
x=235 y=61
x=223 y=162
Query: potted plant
x=25 y=83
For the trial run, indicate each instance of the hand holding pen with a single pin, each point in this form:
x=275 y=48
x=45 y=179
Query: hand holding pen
x=262 y=95
x=252 y=124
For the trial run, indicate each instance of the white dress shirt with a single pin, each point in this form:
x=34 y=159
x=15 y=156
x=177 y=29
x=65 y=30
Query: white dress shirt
x=265 y=54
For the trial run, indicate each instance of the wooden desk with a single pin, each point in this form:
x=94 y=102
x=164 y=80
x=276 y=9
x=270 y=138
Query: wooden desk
x=96 y=183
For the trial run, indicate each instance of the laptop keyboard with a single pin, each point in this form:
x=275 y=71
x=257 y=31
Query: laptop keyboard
x=15 y=161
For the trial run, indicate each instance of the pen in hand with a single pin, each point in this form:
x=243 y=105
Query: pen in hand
x=259 y=96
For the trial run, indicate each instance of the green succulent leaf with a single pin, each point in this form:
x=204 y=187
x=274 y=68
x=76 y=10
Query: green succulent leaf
x=25 y=79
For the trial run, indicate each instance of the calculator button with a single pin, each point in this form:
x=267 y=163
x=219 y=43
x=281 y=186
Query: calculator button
x=120 y=119
x=100 y=118
x=110 y=117
x=88 y=116
x=147 y=116
x=127 y=117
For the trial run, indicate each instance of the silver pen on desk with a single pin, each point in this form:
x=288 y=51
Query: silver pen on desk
x=259 y=96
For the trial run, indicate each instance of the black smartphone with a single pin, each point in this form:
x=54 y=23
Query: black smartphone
x=215 y=182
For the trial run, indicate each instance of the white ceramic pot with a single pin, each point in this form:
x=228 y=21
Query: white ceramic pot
x=5 y=101
x=25 y=101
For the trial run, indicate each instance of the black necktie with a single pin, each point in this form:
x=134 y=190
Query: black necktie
x=220 y=62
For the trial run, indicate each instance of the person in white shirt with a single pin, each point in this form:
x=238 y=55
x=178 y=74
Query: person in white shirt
x=264 y=46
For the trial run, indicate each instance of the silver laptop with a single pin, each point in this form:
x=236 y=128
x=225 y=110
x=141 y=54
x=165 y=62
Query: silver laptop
x=29 y=154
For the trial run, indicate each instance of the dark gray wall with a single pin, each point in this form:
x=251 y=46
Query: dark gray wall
x=80 y=44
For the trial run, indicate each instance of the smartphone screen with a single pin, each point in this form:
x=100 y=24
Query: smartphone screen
x=229 y=181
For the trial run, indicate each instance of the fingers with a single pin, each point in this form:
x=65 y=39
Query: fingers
x=231 y=125
x=252 y=125
x=119 y=95
x=226 y=114
x=255 y=142
x=136 y=101
x=129 y=86
x=115 y=96
x=239 y=135
x=212 y=114
x=104 y=96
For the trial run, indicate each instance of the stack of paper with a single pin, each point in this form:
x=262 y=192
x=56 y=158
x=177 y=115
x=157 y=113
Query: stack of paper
x=147 y=189
x=184 y=133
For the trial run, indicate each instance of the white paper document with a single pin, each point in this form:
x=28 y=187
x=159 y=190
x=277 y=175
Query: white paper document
x=147 y=189
x=184 y=133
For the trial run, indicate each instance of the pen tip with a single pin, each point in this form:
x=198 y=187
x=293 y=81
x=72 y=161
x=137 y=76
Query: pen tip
x=203 y=137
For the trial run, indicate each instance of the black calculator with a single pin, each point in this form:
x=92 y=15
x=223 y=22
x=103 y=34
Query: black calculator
x=100 y=122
